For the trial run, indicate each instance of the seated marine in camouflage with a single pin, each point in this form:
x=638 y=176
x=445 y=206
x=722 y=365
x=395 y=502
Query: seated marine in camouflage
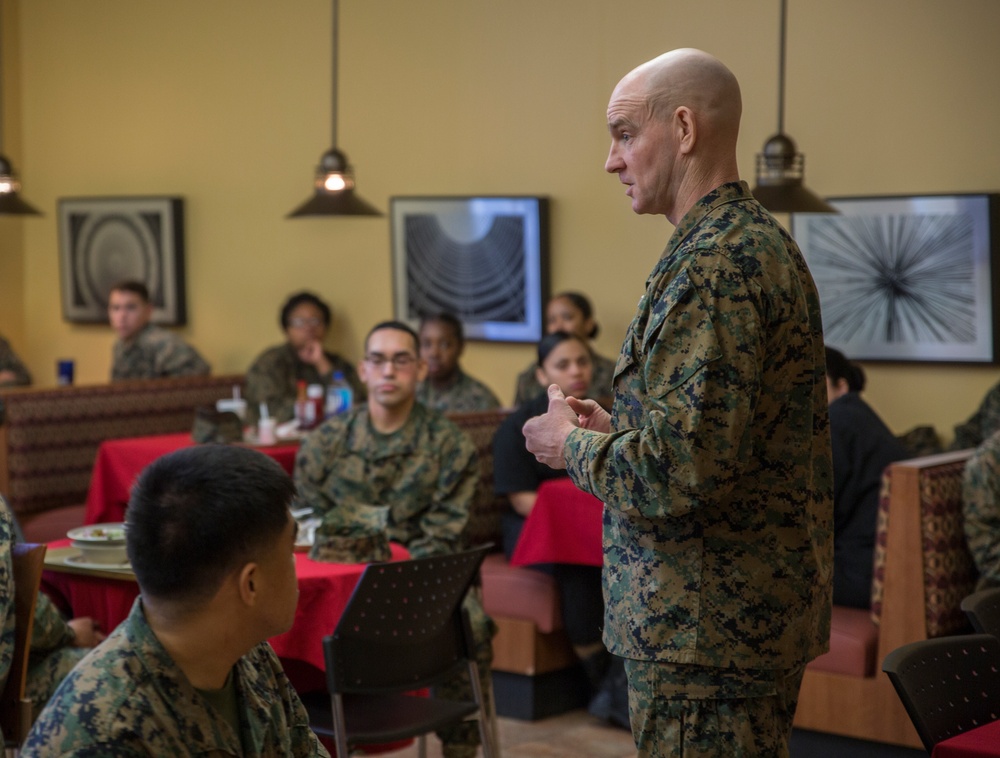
x=394 y=452
x=447 y=388
x=56 y=646
x=12 y=371
x=145 y=351
x=981 y=510
x=274 y=376
x=189 y=672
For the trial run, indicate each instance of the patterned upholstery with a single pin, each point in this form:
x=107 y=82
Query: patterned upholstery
x=484 y=521
x=949 y=573
x=49 y=437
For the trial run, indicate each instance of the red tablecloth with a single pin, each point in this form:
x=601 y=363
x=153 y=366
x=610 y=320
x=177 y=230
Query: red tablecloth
x=564 y=527
x=324 y=589
x=983 y=742
x=120 y=461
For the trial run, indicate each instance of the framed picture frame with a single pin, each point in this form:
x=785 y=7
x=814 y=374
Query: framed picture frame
x=105 y=240
x=907 y=278
x=483 y=259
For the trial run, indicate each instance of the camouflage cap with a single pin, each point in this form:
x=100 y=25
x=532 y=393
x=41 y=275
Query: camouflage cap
x=352 y=534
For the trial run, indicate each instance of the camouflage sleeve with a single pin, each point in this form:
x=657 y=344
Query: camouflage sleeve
x=695 y=369
x=981 y=424
x=6 y=593
x=10 y=362
x=981 y=509
x=267 y=381
x=313 y=463
x=50 y=630
x=177 y=358
x=441 y=525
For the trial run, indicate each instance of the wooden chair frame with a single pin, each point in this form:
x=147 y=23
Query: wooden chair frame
x=15 y=708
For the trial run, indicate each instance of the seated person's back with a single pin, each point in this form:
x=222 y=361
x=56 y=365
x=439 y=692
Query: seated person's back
x=211 y=541
x=862 y=447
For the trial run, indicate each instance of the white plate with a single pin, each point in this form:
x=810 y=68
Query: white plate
x=77 y=562
x=99 y=533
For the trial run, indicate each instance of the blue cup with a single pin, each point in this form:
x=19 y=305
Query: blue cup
x=64 y=372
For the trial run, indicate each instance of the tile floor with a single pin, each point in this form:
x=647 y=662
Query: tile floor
x=578 y=735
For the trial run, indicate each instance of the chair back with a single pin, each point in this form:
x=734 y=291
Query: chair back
x=15 y=710
x=948 y=685
x=983 y=610
x=403 y=627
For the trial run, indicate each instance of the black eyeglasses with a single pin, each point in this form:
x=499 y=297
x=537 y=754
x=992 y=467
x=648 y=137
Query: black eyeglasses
x=399 y=360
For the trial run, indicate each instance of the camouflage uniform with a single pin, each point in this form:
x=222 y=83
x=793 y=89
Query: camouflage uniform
x=717 y=476
x=51 y=655
x=426 y=473
x=128 y=697
x=981 y=424
x=602 y=383
x=154 y=353
x=981 y=510
x=273 y=379
x=463 y=394
x=10 y=362
x=6 y=595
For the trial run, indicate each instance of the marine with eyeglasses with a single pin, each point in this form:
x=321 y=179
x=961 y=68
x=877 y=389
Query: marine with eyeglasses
x=274 y=375
x=392 y=451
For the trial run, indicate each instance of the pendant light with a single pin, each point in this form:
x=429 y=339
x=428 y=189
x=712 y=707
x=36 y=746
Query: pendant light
x=334 y=185
x=11 y=203
x=780 y=167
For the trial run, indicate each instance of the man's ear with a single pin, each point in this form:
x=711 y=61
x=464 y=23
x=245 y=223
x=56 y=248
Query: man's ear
x=685 y=129
x=540 y=377
x=247 y=583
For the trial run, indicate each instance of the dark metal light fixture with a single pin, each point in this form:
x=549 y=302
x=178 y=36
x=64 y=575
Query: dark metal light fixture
x=780 y=167
x=11 y=203
x=334 y=185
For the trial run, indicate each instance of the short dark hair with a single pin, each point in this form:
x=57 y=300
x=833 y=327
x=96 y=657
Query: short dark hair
x=447 y=319
x=582 y=303
x=298 y=299
x=399 y=325
x=200 y=513
x=551 y=341
x=839 y=367
x=133 y=286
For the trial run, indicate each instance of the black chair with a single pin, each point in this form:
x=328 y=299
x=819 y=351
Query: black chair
x=983 y=610
x=948 y=685
x=404 y=629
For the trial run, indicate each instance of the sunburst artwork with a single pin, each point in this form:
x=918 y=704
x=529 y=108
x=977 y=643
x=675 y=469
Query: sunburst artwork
x=905 y=278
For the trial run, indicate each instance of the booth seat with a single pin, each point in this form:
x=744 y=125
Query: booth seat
x=923 y=569
x=49 y=438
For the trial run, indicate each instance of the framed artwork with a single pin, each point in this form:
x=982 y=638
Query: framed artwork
x=105 y=240
x=909 y=278
x=483 y=259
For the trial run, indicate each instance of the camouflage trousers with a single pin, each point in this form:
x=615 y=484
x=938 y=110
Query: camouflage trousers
x=697 y=712
x=461 y=741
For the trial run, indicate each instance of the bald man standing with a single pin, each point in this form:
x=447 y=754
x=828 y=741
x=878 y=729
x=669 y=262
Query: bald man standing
x=714 y=465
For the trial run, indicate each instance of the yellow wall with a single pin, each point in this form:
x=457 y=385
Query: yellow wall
x=12 y=312
x=227 y=103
